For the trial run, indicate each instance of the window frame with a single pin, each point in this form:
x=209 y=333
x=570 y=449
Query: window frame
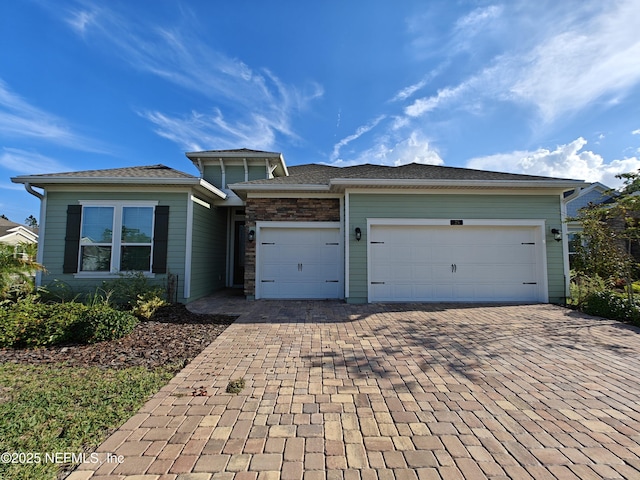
x=116 y=238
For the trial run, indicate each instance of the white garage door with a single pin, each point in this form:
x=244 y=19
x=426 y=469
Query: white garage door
x=300 y=263
x=455 y=263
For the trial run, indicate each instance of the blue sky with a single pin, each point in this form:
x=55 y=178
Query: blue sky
x=546 y=87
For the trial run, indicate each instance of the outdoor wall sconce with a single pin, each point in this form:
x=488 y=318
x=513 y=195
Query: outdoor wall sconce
x=252 y=235
x=358 y=233
x=557 y=234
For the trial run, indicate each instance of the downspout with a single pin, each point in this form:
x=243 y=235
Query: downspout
x=246 y=170
x=565 y=248
x=43 y=208
x=30 y=189
x=224 y=175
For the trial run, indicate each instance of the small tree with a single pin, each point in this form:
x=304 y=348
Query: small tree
x=17 y=267
x=31 y=222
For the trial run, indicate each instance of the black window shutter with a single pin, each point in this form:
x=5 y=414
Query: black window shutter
x=160 y=239
x=72 y=239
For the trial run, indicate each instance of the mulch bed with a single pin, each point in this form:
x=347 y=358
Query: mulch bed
x=174 y=335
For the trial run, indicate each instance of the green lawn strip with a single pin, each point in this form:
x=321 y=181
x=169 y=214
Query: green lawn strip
x=56 y=408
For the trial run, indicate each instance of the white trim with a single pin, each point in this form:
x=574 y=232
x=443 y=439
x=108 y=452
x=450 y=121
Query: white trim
x=200 y=202
x=188 y=252
x=279 y=224
x=347 y=248
x=539 y=225
x=116 y=242
x=118 y=203
x=565 y=247
x=456 y=191
x=469 y=222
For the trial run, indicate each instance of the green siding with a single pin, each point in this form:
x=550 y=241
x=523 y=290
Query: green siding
x=502 y=207
x=213 y=175
x=209 y=241
x=257 y=172
x=55 y=230
x=234 y=174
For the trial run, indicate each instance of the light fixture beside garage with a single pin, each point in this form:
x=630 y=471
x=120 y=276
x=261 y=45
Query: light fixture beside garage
x=557 y=234
x=252 y=235
x=358 y=234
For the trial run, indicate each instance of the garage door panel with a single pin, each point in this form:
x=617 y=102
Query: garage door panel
x=442 y=263
x=300 y=263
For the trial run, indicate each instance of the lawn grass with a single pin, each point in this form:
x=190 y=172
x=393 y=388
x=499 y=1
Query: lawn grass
x=56 y=408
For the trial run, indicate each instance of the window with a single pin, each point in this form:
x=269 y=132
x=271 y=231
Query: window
x=129 y=249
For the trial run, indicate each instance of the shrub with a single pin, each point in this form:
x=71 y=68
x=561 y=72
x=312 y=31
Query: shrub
x=101 y=323
x=31 y=323
x=611 y=305
x=124 y=292
x=146 y=307
x=582 y=286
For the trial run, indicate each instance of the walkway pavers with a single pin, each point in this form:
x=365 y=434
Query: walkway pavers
x=419 y=392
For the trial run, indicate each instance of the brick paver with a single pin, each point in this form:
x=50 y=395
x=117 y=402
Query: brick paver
x=406 y=391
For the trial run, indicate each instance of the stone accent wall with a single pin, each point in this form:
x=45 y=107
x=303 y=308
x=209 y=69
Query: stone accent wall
x=282 y=210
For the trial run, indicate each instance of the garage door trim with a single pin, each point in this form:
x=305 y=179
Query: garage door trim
x=294 y=225
x=538 y=225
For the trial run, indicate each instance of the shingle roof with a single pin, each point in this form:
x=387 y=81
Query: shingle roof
x=316 y=174
x=149 y=171
x=6 y=225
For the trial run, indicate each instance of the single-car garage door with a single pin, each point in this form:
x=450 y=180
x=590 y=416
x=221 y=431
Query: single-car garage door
x=456 y=263
x=300 y=262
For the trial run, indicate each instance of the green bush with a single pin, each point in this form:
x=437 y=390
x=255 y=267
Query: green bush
x=102 y=322
x=146 y=307
x=125 y=292
x=30 y=323
x=611 y=305
x=582 y=286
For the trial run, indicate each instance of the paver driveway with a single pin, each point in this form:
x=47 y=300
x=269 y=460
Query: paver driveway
x=335 y=391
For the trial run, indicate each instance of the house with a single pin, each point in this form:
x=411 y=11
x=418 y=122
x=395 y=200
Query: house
x=575 y=200
x=365 y=233
x=12 y=233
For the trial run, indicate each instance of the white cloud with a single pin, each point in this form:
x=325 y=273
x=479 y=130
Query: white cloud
x=413 y=149
x=359 y=132
x=19 y=119
x=198 y=131
x=583 y=63
x=427 y=104
x=566 y=161
x=636 y=132
x=28 y=162
x=250 y=97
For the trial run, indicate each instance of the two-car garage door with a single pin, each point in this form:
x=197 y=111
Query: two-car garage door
x=405 y=262
x=455 y=263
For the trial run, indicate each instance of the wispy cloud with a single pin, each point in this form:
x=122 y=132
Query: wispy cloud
x=565 y=161
x=250 y=99
x=29 y=162
x=585 y=63
x=636 y=132
x=20 y=119
x=394 y=151
x=359 y=132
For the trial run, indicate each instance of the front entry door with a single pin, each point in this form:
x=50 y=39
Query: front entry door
x=238 y=253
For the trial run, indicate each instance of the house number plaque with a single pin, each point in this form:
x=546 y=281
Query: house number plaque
x=455 y=222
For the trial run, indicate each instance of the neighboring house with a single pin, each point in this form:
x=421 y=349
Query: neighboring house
x=365 y=233
x=12 y=233
x=575 y=200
